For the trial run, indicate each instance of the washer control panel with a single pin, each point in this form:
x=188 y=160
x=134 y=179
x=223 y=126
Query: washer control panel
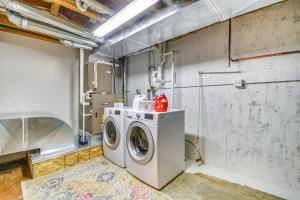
x=138 y=115
x=148 y=116
x=142 y=116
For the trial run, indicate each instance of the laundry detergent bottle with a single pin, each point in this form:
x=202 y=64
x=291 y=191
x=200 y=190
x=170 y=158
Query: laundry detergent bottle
x=139 y=97
x=161 y=103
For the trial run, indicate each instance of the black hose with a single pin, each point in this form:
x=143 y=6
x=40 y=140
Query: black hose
x=198 y=152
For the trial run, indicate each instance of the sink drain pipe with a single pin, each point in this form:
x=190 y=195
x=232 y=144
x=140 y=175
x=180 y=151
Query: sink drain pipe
x=82 y=137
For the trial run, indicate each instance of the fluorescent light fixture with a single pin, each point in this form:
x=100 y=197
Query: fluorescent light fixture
x=130 y=11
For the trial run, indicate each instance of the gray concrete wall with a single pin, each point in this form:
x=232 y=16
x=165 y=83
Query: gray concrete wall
x=250 y=136
x=38 y=77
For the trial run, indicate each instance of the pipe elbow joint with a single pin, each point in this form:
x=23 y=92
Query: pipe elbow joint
x=82 y=6
x=17 y=20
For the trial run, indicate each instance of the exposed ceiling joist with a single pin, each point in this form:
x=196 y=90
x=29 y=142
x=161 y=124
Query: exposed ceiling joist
x=54 y=8
x=72 y=6
x=29 y=34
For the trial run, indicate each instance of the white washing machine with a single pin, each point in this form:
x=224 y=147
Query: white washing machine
x=155 y=146
x=114 y=135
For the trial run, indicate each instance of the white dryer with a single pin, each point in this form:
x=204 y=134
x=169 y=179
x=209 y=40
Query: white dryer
x=155 y=146
x=114 y=135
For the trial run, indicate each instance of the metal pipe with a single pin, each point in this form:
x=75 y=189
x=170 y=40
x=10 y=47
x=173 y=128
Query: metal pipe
x=143 y=51
x=36 y=14
x=264 y=56
x=75 y=45
x=231 y=84
x=27 y=24
x=83 y=5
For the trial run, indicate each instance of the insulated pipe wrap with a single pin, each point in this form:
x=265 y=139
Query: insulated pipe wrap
x=24 y=23
x=75 y=45
x=38 y=15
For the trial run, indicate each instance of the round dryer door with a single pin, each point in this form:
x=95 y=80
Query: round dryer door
x=111 y=133
x=140 y=143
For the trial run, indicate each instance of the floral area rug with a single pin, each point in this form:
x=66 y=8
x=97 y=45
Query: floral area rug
x=96 y=179
x=99 y=179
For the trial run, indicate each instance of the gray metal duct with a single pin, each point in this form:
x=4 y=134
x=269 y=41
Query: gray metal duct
x=30 y=25
x=33 y=13
x=46 y=133
x=173 y=22
x=123 y=43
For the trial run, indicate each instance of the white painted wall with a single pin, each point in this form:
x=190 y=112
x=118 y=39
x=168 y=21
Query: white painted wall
x=38 y=77
x=250 y=136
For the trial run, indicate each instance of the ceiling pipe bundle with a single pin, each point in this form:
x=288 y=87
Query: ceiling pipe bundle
x=33 y=13
x=30 y=25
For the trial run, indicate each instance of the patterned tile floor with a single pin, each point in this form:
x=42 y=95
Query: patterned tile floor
x=100 y=179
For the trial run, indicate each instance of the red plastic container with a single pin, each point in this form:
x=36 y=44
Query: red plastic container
x=161 y=103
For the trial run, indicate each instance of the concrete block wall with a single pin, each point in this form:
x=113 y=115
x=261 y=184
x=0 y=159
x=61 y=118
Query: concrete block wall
x=249 y=136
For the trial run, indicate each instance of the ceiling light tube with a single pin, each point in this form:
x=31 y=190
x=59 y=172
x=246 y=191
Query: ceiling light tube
x=130 y=11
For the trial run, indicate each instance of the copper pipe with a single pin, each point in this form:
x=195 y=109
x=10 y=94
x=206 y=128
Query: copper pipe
x=266 y=55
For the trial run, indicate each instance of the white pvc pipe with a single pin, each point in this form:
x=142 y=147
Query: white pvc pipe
x=159 y=72
x=173 y=82
x=95 y=82
x=81 y=74
x=107 y=63
x=83 y=121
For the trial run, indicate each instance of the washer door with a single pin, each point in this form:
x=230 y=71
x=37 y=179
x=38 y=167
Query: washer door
x=111 y=133
x=140 y=143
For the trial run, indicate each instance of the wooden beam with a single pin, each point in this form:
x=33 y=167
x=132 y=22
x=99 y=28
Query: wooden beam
x=29 y=34
x=72 y=6
x=4 y=21
x=54 y=8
